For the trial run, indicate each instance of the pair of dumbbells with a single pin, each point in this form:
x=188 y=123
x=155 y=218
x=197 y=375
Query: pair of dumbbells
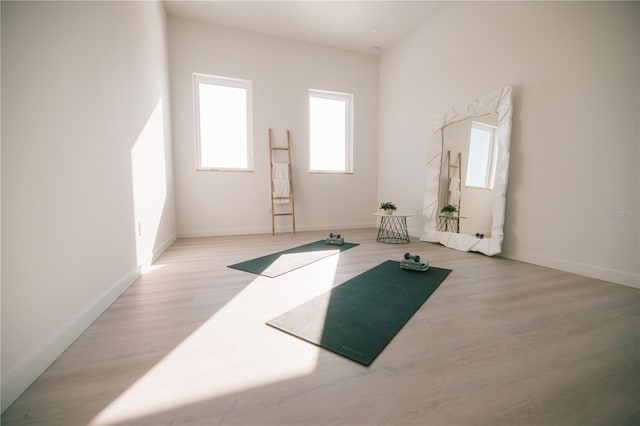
x=414 y=263
x=409 y=256
x=334 y=239
x=479 y=235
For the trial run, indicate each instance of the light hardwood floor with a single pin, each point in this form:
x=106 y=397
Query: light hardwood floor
x=499 y=343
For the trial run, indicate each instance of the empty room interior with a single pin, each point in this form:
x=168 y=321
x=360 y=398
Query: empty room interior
x=194 y=228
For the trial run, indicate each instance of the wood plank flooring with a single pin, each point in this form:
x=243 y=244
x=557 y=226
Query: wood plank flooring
x=499 y=343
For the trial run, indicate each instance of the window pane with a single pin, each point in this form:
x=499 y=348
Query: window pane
x=478 y=163
x=330 y=131
x=327 y=133
x=223 y=123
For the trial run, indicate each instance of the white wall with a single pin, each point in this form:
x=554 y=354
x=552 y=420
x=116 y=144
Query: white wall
x=218 y=203
x=85 y=91
x=572 y=200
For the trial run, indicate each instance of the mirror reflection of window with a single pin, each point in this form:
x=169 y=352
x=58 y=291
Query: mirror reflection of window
x=481 y=165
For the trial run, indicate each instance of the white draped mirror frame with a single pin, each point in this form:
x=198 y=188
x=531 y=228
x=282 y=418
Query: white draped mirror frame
x=497 y=102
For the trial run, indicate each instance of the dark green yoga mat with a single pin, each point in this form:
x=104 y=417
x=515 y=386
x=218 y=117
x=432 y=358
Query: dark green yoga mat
x=284 y=261
x=358 y=318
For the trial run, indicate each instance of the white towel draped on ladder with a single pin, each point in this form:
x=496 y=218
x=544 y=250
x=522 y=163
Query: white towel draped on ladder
x=454 y=198
x=281 y=182
x=454 y=185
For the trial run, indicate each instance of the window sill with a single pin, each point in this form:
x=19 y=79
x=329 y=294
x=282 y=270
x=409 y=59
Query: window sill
x=221 y=169
x=329 y=172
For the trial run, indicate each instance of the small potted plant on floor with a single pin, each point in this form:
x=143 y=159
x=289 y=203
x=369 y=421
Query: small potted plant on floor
x=388 y=207
x=449 y=210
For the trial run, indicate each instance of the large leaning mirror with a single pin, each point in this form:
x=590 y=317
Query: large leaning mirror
x=467 y=168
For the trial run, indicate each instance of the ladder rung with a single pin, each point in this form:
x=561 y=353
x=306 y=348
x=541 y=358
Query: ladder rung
x=279 y=148
x=281 y=198
x=283 y=214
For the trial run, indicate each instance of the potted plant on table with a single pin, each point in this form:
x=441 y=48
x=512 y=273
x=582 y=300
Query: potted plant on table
x=388 y=207
x=449 y=210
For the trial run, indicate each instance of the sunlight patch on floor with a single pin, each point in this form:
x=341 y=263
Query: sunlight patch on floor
x=234 y=350
x=286 y=260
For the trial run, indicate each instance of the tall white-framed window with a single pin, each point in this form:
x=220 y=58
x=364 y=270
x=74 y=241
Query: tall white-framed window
x=223 y=123
x=330 y=132
x=483 y=155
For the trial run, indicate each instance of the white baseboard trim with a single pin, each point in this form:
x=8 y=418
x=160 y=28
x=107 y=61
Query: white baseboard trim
x=336 y=227
x=414 y=233
x=267 y=230
x=20 y=377
x=163 y=247
x=591 y=271
x=151 y=258
x=223 y=232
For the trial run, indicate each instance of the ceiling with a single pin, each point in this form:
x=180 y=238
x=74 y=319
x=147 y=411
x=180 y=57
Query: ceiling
x=362 y=26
